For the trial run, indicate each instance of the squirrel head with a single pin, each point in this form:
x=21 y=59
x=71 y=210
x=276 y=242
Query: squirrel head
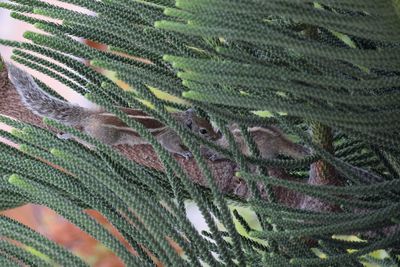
x=200 y=126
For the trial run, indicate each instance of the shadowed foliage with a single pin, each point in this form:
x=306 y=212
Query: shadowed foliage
x=326 y=72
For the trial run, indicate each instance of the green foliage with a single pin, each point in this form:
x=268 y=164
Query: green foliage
x=331 y=63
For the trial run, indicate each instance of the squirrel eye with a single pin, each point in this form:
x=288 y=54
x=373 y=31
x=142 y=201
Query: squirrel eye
x=203 y=131
x=189 y=124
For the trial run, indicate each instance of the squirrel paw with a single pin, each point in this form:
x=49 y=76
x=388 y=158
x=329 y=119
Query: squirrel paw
x=64 y=136
x=186 y=154
x=215 y=157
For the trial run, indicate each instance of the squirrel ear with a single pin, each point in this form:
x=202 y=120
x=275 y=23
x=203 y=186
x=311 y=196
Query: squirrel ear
x=190 y=111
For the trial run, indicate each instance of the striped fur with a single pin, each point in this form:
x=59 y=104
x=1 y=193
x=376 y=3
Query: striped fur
x=45 y=105
x=104 y=126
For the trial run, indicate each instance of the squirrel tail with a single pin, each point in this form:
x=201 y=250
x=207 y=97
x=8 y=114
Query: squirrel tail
x=43 y=104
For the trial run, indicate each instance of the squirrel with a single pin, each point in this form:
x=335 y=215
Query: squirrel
x=104 y=126
x=269 y=140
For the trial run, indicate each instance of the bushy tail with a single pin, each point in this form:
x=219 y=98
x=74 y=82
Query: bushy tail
x=43 y=104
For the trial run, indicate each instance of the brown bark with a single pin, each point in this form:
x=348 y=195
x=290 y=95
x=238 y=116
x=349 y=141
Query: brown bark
x=321 y=173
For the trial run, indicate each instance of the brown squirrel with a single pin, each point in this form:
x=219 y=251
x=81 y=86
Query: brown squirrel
x=106 y=127
x=270 y=141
